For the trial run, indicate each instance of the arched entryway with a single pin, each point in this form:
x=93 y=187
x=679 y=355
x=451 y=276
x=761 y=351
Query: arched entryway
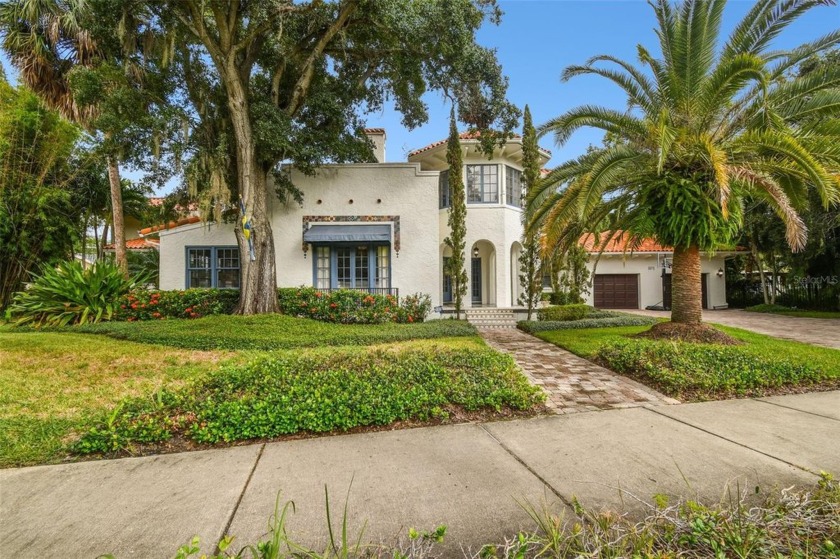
x=481 y=270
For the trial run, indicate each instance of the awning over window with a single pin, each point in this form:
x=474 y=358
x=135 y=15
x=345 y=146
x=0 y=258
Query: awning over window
x=347 y=233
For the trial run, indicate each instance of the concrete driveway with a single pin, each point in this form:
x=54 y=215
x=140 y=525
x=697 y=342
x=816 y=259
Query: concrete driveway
x=817 y=331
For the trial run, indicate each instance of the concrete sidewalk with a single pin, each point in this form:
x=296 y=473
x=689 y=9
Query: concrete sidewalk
x=468 y=477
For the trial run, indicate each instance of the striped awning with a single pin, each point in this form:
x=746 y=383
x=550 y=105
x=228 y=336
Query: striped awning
x=347 y=233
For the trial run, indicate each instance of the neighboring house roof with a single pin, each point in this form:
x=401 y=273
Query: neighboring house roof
x=620 y=244
x=137 y=244
x=171 y=225
x=463 y=136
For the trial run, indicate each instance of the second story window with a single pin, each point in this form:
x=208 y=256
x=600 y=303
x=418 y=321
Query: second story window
x=513 y=186
x=443 y=187
x=482 y=184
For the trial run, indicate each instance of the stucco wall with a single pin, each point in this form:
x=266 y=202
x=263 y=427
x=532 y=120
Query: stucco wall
x=375 y=190
x=647 y=267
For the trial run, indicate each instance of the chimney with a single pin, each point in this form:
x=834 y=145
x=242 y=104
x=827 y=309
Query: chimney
x=377 y=136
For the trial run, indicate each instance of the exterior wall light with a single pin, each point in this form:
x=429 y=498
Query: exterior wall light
x=475 y=252
x=720 y=272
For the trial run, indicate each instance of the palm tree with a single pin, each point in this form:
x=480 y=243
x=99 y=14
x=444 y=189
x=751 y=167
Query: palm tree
x=706 y=126
x=45 y=42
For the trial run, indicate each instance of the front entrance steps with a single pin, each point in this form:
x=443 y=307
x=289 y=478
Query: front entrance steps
x=491 y=317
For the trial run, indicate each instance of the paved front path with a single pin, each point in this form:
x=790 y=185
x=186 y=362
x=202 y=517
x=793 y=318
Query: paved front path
x=571 y=383
x=817 y=331
x=468 y=477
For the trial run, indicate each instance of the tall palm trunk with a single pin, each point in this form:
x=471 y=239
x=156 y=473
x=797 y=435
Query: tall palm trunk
x=117 y=210
x=687 y=292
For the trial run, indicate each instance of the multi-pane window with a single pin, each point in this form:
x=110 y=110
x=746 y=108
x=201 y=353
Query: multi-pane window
x=513 y=185
x=361 y=268
x=213 y=267
x=443 y=190
x=483 y=184
x=322 y=267
x=352 y=267
x=383 y=267
x=344 y=258
x=227 y=268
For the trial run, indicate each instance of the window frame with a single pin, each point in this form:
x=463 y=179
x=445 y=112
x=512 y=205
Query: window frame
x=508 y=190
x=373 y=265
x=482 y=189
x=214 y=280
x=444 y=194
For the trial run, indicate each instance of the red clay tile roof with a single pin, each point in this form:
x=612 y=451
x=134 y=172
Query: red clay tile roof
x=170 y=225
x=137 y=244
x=619 y=244
x=374 y=130
x=463 y=136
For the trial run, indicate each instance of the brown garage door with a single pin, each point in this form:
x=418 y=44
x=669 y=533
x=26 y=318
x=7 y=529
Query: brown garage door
x=617 y=291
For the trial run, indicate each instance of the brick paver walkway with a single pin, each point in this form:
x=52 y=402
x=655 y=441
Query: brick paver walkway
x=571 y=383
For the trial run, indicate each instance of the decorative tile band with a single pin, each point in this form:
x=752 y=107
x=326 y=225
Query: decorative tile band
x=395 y=219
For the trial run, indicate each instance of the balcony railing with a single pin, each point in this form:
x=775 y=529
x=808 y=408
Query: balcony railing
x=393 y=291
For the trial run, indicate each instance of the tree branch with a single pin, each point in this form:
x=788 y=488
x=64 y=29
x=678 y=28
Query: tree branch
x=305 y=80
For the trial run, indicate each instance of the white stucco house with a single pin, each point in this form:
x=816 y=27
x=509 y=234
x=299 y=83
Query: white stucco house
x=381 y=226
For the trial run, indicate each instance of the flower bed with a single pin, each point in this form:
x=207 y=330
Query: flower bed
x=352 y=307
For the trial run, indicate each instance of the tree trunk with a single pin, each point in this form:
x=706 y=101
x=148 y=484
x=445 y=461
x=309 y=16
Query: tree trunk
x=258 y=277
x=117 y=210
x=687 y=294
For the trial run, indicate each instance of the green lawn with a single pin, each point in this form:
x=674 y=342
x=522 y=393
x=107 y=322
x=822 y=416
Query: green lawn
x=55 y=385
x=761 y=365
x=270 y=332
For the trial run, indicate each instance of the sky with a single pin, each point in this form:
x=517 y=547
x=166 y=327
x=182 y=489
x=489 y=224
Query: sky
x=537 y=39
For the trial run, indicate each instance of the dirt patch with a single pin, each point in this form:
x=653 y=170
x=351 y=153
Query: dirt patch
x=691 y=333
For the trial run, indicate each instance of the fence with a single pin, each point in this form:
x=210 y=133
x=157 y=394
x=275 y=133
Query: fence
x=802 y=293
x=393 y=291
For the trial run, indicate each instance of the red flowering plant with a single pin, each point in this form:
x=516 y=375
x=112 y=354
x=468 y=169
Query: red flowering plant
x=143 y=304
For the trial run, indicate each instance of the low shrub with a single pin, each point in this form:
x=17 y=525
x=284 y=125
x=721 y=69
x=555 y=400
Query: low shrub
x=317 y=392
x=347 y=306
x=72 y=294
x=564 y=312
x=700 y=371
x=603 y=319
x=143 y=304
x=768 y=308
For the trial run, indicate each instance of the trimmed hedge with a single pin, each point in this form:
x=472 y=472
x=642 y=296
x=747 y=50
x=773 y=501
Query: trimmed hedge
x=318 y=392
x=613 y=319
x=564 y=312
x=767 y=308
x=342 y=306
x=142 y=304
x=347 y=306
x=701 y=371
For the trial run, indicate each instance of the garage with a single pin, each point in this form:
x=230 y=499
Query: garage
x=616 y=291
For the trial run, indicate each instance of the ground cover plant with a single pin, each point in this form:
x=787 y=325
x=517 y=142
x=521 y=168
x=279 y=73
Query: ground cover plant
x=759 y=365
x=319 y=391
x=270 y=332
x=789 y=311
x=792 y=522
x=57 y=384
x=52 y=384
